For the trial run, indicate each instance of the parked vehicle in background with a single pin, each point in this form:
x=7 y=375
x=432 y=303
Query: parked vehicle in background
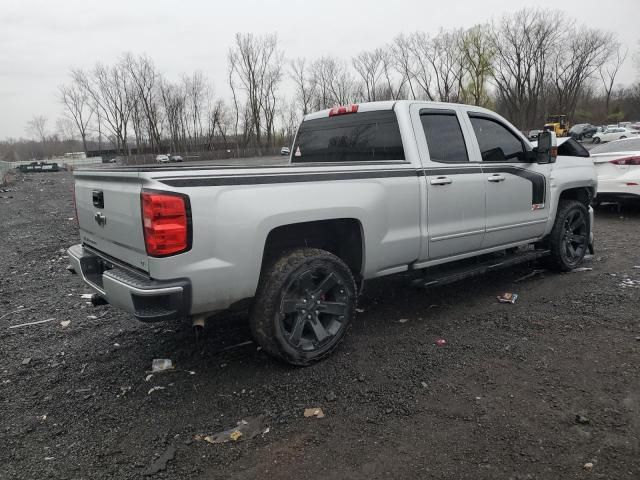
x=618 y=168
x=533 y=134
x=176 y=158
x=372 y=190
x=557 y=124
x=162 y=159
x=615 y=133
x=285 y=151
x=581 y=131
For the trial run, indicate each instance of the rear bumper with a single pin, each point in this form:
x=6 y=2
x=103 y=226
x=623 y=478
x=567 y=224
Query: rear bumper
x=146 y=299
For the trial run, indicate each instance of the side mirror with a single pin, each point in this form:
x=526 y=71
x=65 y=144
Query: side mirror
x=547 y=149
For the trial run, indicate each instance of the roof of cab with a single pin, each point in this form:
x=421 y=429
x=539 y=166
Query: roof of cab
x=390 y=104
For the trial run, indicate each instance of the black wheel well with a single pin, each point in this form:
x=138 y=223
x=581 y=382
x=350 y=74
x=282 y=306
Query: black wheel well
x=582 y=194
x=342 y=237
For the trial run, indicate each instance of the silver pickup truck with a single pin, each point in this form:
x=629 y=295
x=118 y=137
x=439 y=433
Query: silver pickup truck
x=369 y=190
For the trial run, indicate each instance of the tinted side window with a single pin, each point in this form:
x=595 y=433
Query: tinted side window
x=355 y=137
x=497 y=143
x=444 y=137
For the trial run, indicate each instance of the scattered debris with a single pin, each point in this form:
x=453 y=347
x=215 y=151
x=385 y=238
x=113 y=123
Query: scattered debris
x=123 y=391
x=331 y=396
x=628 y=282
x=313 y=412
x=530 y=275
x=32 y=323
x=441 y=342
x=360 y=310
x=161 y=364
x=160 y=463
x=86 y=296
x=582 y=419
x=155 y=389
x=26 y=361
x=403 y=320
x=48 y=459
x=507 y=297
x=581 y=269
x=148 y=377
x=361 y=378
x=91 y=317
x=245 y=430
x=588 y=466
x=83 y=390
x=423 y=384
x=636 y=266
x=65 y=323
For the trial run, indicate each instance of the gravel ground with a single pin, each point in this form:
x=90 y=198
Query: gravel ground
x=534 y=390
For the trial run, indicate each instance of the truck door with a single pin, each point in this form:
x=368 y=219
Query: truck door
x=455 y=188
x=516 y=187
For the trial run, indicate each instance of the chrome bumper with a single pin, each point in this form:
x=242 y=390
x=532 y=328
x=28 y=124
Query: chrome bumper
x=147 y=299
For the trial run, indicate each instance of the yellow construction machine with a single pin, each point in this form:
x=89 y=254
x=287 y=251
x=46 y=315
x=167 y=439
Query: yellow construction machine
x=557 y=124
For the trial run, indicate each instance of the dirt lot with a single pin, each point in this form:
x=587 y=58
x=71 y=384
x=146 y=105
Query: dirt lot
x=499 y=401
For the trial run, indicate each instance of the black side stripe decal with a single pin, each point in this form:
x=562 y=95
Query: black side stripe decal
x=538 y=181
x=286 y=178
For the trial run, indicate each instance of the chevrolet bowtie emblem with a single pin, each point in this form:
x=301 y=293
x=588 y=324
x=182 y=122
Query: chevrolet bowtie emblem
x=100 y=219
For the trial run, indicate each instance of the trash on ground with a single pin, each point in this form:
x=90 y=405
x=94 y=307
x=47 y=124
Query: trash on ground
x=65 y=323
x=245 y=430
x=26 y=361
x=441 y=342
x=87 y=296
x=360 y=310
x=160 y=463
x=581 y=269
x=331 y=396
x=582 y=419
x=161 y=364
x=32 y=323
x=403 y=320
x=313 y=412
x=91 y=317
x=123 y=391
x=148 y=377
x=155 y=389
x=530 y=274
x=423 y=384
x=508 y=297
x=636 y=266
x=588 y=466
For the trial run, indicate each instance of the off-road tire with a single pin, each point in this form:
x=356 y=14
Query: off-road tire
x=267 y=317
x=560 y=258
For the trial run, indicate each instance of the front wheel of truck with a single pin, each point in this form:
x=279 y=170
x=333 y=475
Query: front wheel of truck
x=569 y=238
x=304 y=305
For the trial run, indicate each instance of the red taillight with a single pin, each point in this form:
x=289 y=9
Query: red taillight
x=166 y=223
x=626 y=161
x=342 y=110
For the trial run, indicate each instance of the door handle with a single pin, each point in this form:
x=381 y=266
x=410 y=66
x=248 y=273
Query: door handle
x=441 y=181
x=496 y=177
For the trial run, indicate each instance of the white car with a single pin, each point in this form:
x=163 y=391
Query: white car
x=285 y=151
x=162 y=159
x=615 y=133
x=618 y=168
x=176 y=158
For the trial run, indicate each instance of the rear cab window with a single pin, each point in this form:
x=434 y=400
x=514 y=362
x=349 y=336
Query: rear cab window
x=353 y=137
x=445 y=140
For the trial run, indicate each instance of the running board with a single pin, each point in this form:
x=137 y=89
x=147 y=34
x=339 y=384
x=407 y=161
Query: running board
x=453 y=274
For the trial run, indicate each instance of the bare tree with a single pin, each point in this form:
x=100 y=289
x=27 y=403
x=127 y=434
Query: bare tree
x=144 y=85
x=37 y=127
x=403 y=61
x=335 y=85
x=305 y=87
x=445 y=60
x=420 y=46
x=579 y=56
x=66 y=129
x=77 y=108
x=255 y=63
x=609 y=71
x=369 y=66
x=523 y=43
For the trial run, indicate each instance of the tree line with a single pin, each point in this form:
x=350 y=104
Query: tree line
x=525 y=65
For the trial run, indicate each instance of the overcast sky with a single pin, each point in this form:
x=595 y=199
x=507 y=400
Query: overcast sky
x=41 y=40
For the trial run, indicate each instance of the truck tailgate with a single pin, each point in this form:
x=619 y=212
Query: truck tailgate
x=109 y=216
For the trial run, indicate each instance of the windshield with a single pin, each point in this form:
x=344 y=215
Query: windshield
x=618 y=146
